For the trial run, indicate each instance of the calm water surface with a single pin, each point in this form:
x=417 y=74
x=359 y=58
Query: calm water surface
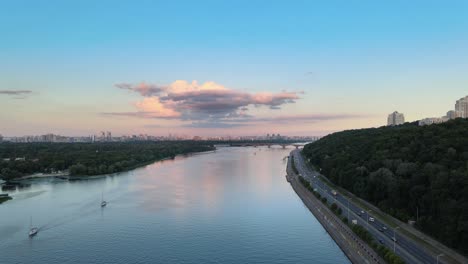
x=230 y=206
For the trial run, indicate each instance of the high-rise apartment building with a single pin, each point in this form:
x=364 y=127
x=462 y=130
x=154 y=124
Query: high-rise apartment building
x=461 y=107
x=395 y=119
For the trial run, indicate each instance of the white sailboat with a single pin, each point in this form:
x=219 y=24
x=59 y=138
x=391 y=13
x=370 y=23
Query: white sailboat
x=103 y=202
x=32 y=230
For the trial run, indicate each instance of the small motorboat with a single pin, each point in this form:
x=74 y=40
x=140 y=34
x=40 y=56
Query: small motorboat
x=32 y=230
x=103 y=202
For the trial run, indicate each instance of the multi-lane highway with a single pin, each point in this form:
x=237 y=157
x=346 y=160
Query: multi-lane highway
x=409 y=250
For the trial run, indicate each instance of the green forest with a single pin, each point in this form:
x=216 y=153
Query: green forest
x=408 y=171
x=19 y=159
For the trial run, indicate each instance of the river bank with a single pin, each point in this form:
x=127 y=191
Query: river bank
x=4 y=198
x=44 y=175
x=87 y=158
x=66 y=175
x=354 y=248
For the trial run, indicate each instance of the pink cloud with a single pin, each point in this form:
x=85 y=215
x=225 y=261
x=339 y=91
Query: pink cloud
x=206 y=101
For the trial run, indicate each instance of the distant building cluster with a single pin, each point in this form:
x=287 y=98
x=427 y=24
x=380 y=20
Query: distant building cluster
x=104 y=136
x=273 y=136
x=461 y=111
x=395 y=119
x=46 y=138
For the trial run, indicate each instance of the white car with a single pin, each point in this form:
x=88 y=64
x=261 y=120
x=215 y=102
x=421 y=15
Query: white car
x=371 y=219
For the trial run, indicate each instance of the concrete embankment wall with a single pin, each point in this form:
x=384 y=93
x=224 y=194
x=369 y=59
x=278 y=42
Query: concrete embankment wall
x=354 y=248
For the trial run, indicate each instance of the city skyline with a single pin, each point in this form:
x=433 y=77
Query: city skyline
x=107 y=137
x=212 y=69
x=395 y=118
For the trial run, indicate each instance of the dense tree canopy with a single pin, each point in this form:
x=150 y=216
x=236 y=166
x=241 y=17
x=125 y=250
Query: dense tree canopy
x=405 y=169
x=18 y=159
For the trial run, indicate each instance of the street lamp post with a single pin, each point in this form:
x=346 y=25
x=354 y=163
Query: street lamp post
x=394 y=239
x=440 y=255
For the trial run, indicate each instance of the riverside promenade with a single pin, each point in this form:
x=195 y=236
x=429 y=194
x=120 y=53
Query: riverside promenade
x=354 y=248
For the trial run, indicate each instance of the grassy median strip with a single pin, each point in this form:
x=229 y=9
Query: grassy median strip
x=293 y=165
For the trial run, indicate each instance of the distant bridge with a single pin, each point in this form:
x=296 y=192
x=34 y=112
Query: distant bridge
x=268 y=144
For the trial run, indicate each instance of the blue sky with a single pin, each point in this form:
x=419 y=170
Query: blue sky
x=350 y=63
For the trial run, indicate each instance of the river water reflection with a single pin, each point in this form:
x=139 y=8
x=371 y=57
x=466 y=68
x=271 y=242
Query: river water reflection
x=229 y=206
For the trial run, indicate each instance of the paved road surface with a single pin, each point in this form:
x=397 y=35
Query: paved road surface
x=356 y=249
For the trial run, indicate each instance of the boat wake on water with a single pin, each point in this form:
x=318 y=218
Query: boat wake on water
x=61 y=221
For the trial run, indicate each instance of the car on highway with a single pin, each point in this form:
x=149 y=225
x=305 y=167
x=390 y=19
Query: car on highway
x=381 y=241
x=381 y=229
x=384 y=228
x=371 y=219
x=394 y=239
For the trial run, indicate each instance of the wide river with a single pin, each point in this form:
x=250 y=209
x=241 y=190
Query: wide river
x=229 y=206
